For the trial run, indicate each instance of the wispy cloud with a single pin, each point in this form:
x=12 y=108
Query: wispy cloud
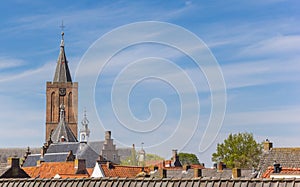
x=7 y=62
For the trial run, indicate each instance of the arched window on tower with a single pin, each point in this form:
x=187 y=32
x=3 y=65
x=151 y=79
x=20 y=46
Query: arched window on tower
x=70 y=109
x=52 y=106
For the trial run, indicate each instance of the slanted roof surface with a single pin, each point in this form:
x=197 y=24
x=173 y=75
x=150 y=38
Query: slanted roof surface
x=58 y=152
x=51 y=169
x=147 y=182
x=286 y=157
x=122 y=171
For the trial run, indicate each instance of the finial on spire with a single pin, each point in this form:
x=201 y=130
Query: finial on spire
x=84 y=121
x=84 y=112
x=62 y=26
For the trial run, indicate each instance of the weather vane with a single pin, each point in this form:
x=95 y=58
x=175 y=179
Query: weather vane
x=62 y=26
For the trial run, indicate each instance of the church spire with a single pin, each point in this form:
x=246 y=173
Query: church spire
x=62 y=72
x=84 y=131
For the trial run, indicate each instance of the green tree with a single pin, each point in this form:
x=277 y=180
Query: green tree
x=154 y=157
x=188 y=158
x=238 y=150
x=129 y=162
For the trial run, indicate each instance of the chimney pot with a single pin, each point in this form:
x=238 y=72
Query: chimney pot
x=236 y=173
x=80 y=166
x=268 y=145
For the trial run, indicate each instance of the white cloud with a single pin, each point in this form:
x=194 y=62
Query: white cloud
x=277 y=46
x=284 y=115
x=7 y=62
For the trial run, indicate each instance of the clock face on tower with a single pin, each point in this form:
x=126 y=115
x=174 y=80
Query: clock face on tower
x=62 y=91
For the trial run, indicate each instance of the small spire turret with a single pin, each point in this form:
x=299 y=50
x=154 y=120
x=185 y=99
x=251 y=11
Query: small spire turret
x=84 y=131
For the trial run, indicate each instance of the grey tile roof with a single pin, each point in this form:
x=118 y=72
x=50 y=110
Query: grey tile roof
x=148 y=182
x=56 y=157
x=3 y=168
x=31 y=160
x=63 y=147
x=286 y=157
x=58 y=152
x=96 y=145
x=226 y=173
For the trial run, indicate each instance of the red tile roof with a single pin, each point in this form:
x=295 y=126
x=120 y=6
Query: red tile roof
x=284 y=171
x=123 y=171
x=50 y=169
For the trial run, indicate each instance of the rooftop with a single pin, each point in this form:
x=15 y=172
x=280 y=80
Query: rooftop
x=145 y=182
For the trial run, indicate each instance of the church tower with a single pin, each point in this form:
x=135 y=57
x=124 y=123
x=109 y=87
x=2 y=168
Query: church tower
x=61 y=92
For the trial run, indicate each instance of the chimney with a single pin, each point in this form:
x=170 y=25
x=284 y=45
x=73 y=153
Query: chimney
x=175 y=158
x=236 y=173
x=109 y=165
x=13 y=162
x=220 y=166
x=174 y=153
x=80 y=166
x=43 y=151
x=107 y=135
x=268 y=145
x=277 y=168
x=162 y=173
x=186 y=167
x=197 y=172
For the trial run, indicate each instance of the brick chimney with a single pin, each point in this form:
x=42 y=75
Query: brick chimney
x=220 y=166
x=107 y=135
x=186 y=167
x=268 y=145
x=80 y=166
x=162 y=173
x=236 y=173
x=197 y=172
x=13 y=162
x=109 y=165
x=175 y=158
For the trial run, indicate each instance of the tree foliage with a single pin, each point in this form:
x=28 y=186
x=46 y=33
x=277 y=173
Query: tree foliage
x=188 y=158
x=132 y=160
x=153 y=157
x=238 y=150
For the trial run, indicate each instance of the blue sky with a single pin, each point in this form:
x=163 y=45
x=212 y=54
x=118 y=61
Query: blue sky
x=256 y=44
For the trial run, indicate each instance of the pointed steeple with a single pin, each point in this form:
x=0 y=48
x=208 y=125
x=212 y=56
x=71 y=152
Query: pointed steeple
x=84 y=131
x=62 y=72
x=63 y=133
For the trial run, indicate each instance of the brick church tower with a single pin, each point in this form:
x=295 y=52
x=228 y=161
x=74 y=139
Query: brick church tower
x=61 y=91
